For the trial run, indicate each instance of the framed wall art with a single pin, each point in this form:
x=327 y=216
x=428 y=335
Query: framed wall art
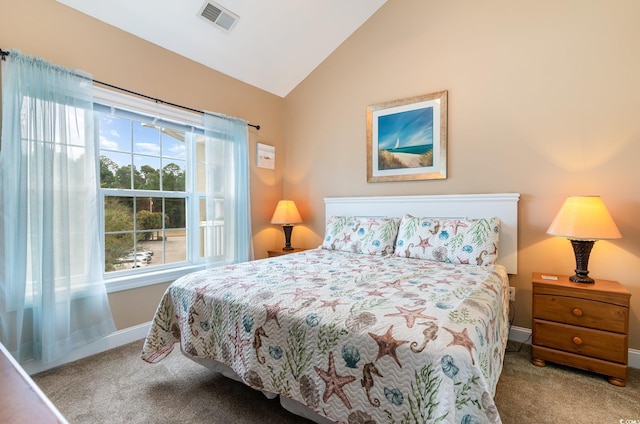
x=265 y=156
x=407 y=139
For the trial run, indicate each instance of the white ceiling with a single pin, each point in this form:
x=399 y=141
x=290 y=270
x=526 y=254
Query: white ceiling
x=273 y=46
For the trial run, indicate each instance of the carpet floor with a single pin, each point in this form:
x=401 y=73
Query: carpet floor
x=118 y=387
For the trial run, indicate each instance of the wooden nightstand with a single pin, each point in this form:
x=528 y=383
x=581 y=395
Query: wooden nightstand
x=581 y=325
x=274 y=253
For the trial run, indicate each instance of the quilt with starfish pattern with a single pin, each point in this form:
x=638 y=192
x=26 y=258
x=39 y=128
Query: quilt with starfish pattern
x=356 y=338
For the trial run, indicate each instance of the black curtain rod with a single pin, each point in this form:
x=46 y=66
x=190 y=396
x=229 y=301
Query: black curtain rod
x=257 y=127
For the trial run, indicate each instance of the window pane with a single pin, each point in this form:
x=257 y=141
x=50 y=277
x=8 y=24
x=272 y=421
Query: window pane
x=173 y=144
x=115 y=133
x=146 y=139
x=111 y=174
x=117 y=248
x=149 y=216
x=201 y=175
x=167 y=248
x=200 y=152
x=175 y=213
x=211 y=233
x=202 y=222
x=173 y=175
x=175 y=246
x=154 y=248
x=118 y=214
x=147 y=172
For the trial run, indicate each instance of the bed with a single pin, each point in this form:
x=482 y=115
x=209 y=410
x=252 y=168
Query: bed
x=401 y=315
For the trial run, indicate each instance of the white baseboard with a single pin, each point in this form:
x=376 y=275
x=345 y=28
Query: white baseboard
x=138 y=332
x=116 y=339
x=521 y=334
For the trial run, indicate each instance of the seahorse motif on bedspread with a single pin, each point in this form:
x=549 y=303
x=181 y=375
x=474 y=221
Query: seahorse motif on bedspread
x=429 y=333
x=257 y=343
x=368 y=383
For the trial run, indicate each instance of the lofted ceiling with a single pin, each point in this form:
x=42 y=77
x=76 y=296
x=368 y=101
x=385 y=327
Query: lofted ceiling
x=272 y=45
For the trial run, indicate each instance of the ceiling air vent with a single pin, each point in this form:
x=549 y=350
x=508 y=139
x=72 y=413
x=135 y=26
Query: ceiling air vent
x=221 y=17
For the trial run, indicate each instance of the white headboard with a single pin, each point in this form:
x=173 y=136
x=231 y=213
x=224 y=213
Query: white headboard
x=501 y=205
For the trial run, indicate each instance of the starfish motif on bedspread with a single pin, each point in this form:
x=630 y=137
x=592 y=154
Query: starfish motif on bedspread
x=300 y=293
x=272 y=313
x=375 y=293
x=245 y=286
x=291 y=278
x=395 y=284
x=331 y=304
x=410 y=316
x=334 y=382
x=462 y=339
x=229 y=283
x=200 y=292
x=387 y=345
x=239 y=343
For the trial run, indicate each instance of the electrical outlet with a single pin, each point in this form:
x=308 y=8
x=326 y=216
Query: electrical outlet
x=512 y=294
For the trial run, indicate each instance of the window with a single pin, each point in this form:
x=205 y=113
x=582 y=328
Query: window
x=152 y=184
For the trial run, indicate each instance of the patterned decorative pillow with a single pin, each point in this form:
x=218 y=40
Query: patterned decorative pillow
x=371 y=236
x=463 y=241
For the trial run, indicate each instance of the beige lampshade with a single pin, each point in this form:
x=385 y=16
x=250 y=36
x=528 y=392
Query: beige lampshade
x=286 y=213
x=584 y=218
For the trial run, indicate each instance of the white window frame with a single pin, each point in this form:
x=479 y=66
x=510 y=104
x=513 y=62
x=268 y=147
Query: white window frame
x=126 y=280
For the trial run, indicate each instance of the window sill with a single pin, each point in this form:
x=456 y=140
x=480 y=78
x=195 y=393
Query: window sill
x=129 y=282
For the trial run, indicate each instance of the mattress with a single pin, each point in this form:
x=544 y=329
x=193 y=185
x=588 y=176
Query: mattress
x=352 y=337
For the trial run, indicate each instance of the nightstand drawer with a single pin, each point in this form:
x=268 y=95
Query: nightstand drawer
x=582 y=312
x=582 y=341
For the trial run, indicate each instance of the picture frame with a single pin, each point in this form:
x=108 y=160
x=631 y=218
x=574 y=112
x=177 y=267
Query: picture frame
x=265 y=156
x=407 y=139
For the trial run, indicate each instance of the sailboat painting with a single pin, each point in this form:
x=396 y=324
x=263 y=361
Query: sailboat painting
x=406 y=139
x=413 y=144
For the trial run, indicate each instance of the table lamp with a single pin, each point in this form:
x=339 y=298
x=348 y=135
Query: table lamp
x=286 y=214
x=583 y=220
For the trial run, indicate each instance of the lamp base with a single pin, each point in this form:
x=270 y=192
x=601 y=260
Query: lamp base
x=288 y=229
x=581 y=279
x=582 y=250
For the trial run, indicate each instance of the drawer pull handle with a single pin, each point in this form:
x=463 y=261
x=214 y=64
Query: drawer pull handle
x=577 y=312
x=577 y=340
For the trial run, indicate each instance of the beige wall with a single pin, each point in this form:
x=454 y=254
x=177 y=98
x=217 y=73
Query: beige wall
x=543 y=100
x=61 y=35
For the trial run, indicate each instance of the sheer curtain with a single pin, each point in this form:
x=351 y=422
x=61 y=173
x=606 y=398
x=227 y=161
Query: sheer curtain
x=227 y=181
x=52 y=295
